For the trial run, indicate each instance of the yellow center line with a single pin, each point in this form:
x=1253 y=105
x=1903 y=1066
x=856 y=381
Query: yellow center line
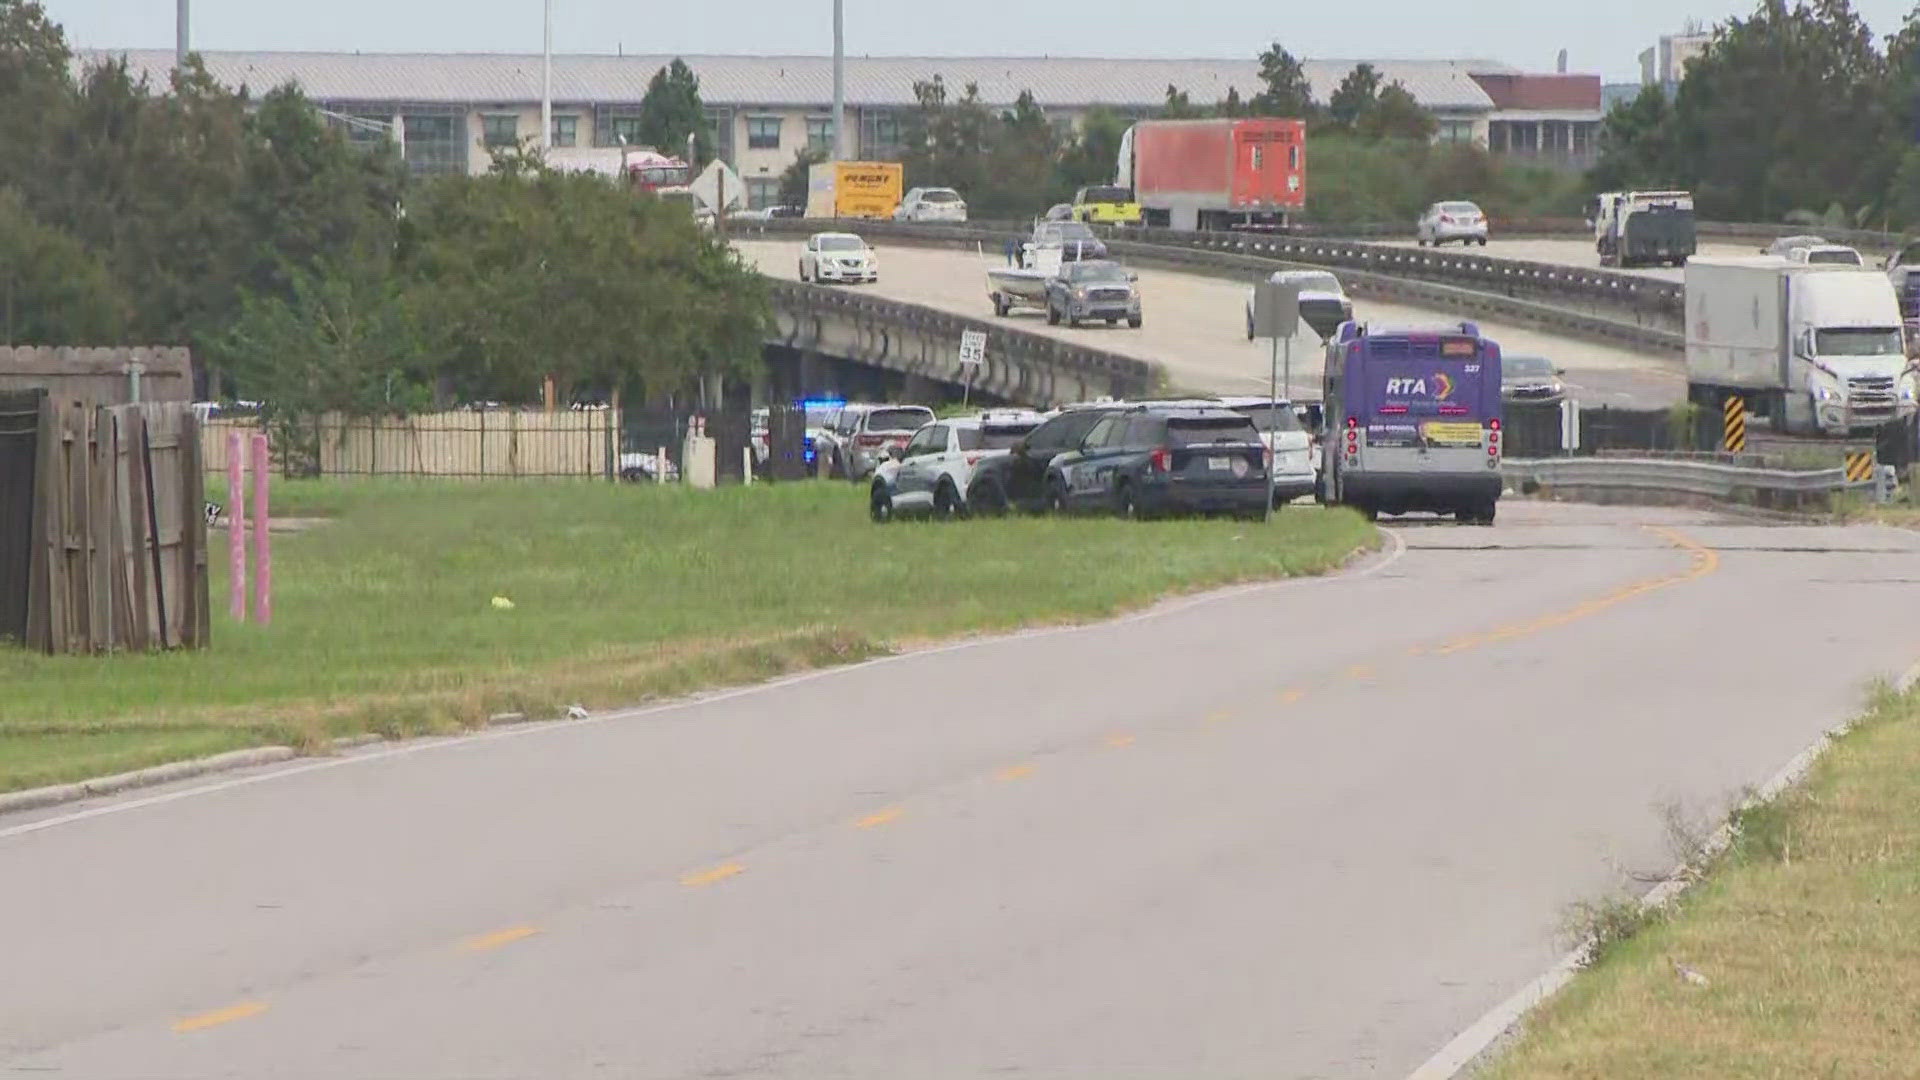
x=1015 y=772
x=1219 y=716
x=712 y=874
x=875 y=820
x=1359 y=671
x=1289 y=696
x=219 y=1016
x=1119 y=742
x=498 y=938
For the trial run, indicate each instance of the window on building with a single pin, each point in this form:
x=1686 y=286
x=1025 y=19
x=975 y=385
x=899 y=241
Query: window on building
x=621 y=131
x=1583 y=137
x=1497 y=136
x=880 y=135
x=720 y=131
x=435 y=142
x=820 y=134
x=1454 y=131
x=763 y=133
x=498 y=131
x=762 y=192
x=566 y=130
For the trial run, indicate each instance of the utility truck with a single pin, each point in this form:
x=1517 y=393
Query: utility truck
x=1643 y=228
x=1817 y=349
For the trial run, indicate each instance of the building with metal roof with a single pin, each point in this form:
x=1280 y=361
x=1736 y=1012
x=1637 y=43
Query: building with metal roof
x=450 y=107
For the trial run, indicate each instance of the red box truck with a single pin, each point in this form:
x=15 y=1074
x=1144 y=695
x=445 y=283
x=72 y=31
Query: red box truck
x=1216 y=174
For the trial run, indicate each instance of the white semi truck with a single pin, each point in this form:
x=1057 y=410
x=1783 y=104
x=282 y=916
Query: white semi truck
x=1816 y=349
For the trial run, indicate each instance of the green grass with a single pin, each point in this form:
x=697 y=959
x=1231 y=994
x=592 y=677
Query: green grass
x=1807 y=931
x=622 y=593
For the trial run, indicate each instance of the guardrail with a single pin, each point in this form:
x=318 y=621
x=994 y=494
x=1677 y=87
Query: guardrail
x=1020 y=365
x=1706 y=479
x=1641 y=313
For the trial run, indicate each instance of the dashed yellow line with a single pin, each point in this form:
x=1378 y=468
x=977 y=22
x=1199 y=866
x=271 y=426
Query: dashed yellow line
x=712 y=874
x=1119 y=742
x=1291 y=695
x=496 y=939
x=217 y=1017
x=1015 y=772
x=875 y=820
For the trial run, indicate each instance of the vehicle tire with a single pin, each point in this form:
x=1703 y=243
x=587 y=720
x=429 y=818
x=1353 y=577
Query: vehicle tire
x=836 y=469
x=801 y=269
x=1486 y=514
x=1371 y=513
x=1053 y=314
x=1113 y=320
x=989 y=499
x=880 y=505
x=1054 y=501
x=946 y=503
x=1420 y=241
x=1134 y=322
x=1124 y=505
x=999 y=306
x=1483 y=241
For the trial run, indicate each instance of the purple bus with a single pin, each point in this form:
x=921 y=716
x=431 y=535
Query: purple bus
x=1413 y=421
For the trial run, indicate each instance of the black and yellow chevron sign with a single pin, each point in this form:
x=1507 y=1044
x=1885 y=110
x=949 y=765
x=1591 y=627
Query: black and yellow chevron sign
x=1736 y=424
x=1859 y=466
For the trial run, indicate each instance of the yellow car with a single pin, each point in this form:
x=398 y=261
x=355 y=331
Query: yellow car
x=1106 y=206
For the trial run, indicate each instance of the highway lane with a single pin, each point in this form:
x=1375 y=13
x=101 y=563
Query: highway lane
x=1310 y=829
x=1195 y=326
x=1578 y=251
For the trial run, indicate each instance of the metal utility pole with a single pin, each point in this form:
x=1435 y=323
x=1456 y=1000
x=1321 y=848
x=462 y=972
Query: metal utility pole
x=839 y=82
x=546 y=79
x=180 y=36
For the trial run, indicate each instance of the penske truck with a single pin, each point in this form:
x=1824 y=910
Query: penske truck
x=1817 y=349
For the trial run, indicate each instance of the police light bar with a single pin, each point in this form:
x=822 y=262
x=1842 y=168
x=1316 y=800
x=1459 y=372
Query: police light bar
x=809 y=403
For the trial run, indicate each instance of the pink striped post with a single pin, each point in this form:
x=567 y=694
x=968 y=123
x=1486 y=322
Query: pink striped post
x=262 y=543
x=237 y=526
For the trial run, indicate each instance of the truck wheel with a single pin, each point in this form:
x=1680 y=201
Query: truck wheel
x=999 y=305
x=1133 y=321
x=1053 y=314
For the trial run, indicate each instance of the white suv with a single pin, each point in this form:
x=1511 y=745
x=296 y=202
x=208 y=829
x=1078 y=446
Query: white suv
x=932 y=204
x=931 y=475
x=862 y=436
x=1287 y=441
x=838 y=257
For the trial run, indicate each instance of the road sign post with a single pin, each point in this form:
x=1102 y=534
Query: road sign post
x=973 y=356
x=1276 y=315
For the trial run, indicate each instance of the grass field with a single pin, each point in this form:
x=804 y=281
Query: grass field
x=383 y=618
x=1807 y=932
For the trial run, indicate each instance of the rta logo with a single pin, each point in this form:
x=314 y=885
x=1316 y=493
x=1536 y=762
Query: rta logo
x=1407 y=387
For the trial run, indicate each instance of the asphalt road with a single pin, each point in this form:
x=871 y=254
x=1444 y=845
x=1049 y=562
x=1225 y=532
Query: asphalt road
x=1307 y=830
x=1196 y=327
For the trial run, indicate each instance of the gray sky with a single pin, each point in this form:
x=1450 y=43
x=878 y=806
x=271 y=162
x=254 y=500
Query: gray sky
x=1605 y=38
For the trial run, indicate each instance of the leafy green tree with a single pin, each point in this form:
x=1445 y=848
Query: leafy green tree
x=53 y=291
x=793 y=181
x=1395 y=114
x=1232 y=105
x=36 y=94
x=948 y=140
x=1637 y=148
x=1179 y=107
x=1356 y=95
x=1025 y=151
x=1287 y=93
x=1094 y=154
x=671 y=111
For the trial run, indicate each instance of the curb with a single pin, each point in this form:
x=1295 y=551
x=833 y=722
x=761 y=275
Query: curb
x=1465 y=1052
x=39 y=798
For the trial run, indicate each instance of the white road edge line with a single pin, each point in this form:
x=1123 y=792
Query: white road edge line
x=1397 y=548
x=1457 y=1056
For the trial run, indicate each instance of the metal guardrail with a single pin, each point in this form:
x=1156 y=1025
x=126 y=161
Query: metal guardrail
x=1710 y=479
x=1004 y=343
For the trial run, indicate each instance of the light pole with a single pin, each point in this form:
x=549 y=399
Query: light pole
x=180 y=35
x=546 y=78
x=839 y=81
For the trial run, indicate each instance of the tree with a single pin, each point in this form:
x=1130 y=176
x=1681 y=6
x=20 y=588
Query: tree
x=1179 y=107
x=1287 y=92
x=36 y=93
x=1093 y=157
x=53 y=291
x=1636 y=145
x=671 y=111
x=1356 y=95
x=1025 y=151
x=793 y=181
x=947 y=140
x=1231 y=105
x=1394 y=114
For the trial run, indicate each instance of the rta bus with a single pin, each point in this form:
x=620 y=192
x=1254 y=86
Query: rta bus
x=1412 y=421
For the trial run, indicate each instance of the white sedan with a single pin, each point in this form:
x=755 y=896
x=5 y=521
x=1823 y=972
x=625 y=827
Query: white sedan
x=841 y=257
x=1444 y=221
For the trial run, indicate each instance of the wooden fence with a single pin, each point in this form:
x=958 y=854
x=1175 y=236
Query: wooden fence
x=495 y=443
x=118 y=554
x=19 y=452
x=112 y=376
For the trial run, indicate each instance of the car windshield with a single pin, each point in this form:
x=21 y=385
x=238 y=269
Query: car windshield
x=997 y=437
x=1098 y=273
x=898 y=419
x=842 y=243
x=819 y=415
x=1109 y=195
x=940 y=195
x=1459 y=208
x=1858 y=341
x=1269 y=417
x=1529 y=367
x=1201 y=430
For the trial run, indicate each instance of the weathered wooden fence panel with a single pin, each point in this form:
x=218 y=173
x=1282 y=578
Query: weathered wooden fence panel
x=494 y=443
x=19 y=450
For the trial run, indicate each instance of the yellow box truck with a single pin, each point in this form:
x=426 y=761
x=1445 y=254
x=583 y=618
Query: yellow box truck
x=853 y=189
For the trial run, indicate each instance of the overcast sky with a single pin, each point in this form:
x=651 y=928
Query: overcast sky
x=1604 y=38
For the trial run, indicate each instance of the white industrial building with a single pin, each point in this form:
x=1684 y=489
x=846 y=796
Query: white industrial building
x=450 y=108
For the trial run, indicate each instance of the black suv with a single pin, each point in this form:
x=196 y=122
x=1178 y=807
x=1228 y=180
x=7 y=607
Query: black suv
x=1151 y=460
x=1018 y=478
